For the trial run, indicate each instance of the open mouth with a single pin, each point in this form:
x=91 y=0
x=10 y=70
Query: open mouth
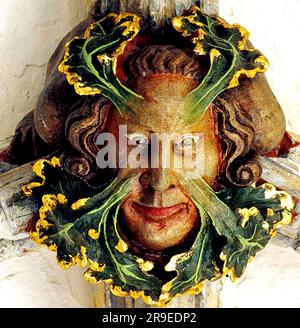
x=157 y=213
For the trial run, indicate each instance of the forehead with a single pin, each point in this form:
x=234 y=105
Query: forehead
x=163 y=109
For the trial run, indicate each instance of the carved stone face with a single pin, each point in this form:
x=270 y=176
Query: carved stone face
x=158 y=212
x=152 y=232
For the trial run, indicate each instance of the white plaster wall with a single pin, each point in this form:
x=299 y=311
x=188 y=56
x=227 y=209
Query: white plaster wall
x=36 y=280
x=29 y=33
x=274 y=27
x=271 y=280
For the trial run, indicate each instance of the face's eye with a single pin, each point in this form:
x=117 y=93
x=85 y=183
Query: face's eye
x=138 y=139
x=187 y=141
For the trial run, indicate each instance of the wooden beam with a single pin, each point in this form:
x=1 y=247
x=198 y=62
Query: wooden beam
x=156 y=11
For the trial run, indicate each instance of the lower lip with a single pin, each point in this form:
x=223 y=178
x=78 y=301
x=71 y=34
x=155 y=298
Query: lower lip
x=158 y=212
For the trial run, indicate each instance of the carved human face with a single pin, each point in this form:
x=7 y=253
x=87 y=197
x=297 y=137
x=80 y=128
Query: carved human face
x=152 y=231
x=158 y=212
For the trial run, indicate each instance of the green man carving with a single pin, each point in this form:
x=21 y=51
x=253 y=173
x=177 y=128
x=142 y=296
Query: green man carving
x=154 y=232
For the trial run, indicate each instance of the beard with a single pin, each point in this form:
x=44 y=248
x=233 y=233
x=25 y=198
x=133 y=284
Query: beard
x=234 y=224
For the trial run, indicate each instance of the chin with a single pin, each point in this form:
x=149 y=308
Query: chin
x=159 y=229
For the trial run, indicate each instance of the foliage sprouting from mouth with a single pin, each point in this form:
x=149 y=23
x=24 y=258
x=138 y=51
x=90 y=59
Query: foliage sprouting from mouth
x=85 y=231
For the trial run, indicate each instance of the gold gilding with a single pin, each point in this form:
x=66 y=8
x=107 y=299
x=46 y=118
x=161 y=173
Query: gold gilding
x=286 y=200
x=94 y=266
x=246 y=213
x=286 y=218
x=178 y=25
x=122 y=247
x=244 y=36
x=62 y=199
x=171 y=265
x=79 y=204
x=136 y=294
x=49 y=203
x=52 y=248
x=117 y=291
x=66 y=265
x=197 y=289
x=288 y=204
x=223 y=23
x=199 y=50
x=75 y=79
x=94 y=234
x=145 y=266
x=270 y=212
x=35 y=236
x=214 y=53
x=264 y=65
x=38 y=169
x=89 y=277
x=163 y=299
x=80 y=259
x=130 y=26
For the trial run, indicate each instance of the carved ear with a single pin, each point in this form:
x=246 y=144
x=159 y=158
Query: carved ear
x=257 y=100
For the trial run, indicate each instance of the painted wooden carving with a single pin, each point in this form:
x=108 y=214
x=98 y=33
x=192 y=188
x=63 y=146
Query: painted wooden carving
x=153 y=232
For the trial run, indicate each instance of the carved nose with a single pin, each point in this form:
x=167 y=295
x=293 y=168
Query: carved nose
x=158 y=179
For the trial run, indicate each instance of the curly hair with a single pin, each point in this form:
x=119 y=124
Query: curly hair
x=159 y=59
x=234 y=127
x=236 y=133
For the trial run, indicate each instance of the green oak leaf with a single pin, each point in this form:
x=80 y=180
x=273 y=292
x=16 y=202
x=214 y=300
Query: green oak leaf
x=248 y=197
x=126 y=272
x=90 y=62
x=199 y=263
x=67 y=227
x=257 y=231
x=69 y=230
x=235 y=225
x=243 y=240
x=229 y=58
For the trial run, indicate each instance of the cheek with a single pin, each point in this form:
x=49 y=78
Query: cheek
x=212 y=157
x=204 y=161
x=212 y=149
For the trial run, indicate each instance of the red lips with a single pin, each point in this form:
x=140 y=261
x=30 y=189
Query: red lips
x=158 y=212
